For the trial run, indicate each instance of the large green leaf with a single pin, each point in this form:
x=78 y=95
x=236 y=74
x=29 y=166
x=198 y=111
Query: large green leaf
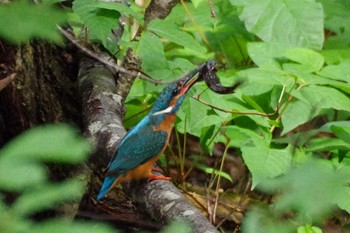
x=309 y=101
x=342 y=132
x=294 y=23
x=311 y=189
x=319 y=97
x=327 y=144
x=21 y=21
x=52 y=143
x=48 y=196
x=100 y=21
x=193 y=116
x=336 y=56
x=171 y=32
x=339 y=124
x=120 y=7
x=343 y=201
x=266 y=53
x=262 y=161
x=339 y=71
x=337 y=15
x=20 y=174
x=151 y=52
x=265 y=220
x=67 y=226
x=312 y=60
x=257 y=81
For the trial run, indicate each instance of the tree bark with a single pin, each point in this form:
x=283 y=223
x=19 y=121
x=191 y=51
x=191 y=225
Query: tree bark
x=42 y=91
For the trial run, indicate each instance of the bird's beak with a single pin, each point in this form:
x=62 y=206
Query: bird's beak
x=186 y=86
x=188 y=81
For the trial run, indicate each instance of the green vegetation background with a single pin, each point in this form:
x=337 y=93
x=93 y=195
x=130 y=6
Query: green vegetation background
x=292 y=55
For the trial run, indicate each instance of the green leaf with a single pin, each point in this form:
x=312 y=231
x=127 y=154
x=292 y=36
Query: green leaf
x=252 y=103
x=311 y=189
x=195 y=116
x=170 y=32
x=121 y=8
x=205 y=139
x=327 y=127
x=44 y=197
x=327 y=144
x=196 y=3
x=151 y=52
x=342 y=132
x=337 y=15
x=308 y=103
x=312 y=60
x=337 y=72
x=343 y=201
x=100 y=21
x=22 y=21
x=18 y=174
x=293 y=23
x=336 y=56
x=265 y=220
x=262 y=161
x=67 y=226
x=261 y=80
x=51 y=1
x=51 y=143
x=309 y=229
x=266 y=53
x=177 y=226
x=318 y=96
x=210 y=170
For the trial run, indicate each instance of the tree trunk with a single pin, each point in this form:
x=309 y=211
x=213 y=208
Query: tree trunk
x=43 y=90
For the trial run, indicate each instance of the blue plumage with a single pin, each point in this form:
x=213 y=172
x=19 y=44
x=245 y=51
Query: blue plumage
x=145 y=142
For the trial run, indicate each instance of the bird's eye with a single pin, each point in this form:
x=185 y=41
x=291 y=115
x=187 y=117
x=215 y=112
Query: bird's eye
x=177 y=89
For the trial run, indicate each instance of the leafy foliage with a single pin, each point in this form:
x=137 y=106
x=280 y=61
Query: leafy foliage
x=22 y=170
x=293 y=68
x=27 y=25
x=289 y=120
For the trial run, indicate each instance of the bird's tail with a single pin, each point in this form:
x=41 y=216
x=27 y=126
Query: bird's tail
x=106 y=186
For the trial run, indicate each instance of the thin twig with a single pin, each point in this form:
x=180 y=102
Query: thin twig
x=209 y=210
x=136 y=114
x=219 y=181
x=137 y=74
x=212 y=11
x=235 y=112
x=240 y=202
x=201 y=34
x=197 y=97
x=193 y=198
x=7 y=80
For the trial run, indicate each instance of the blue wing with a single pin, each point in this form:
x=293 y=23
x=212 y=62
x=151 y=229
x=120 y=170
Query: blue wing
x=138 y=146
x=107 y=183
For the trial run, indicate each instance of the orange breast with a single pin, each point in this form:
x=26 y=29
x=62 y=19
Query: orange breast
x=167 y=124
x=144 y=170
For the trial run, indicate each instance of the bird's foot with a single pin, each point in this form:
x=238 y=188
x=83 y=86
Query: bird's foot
x=155 y=177
x=157 y=169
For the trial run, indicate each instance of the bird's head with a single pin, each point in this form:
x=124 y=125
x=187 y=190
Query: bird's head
x=170 y=99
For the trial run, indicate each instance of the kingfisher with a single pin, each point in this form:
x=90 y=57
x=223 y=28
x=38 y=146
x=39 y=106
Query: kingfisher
x=144 y=143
